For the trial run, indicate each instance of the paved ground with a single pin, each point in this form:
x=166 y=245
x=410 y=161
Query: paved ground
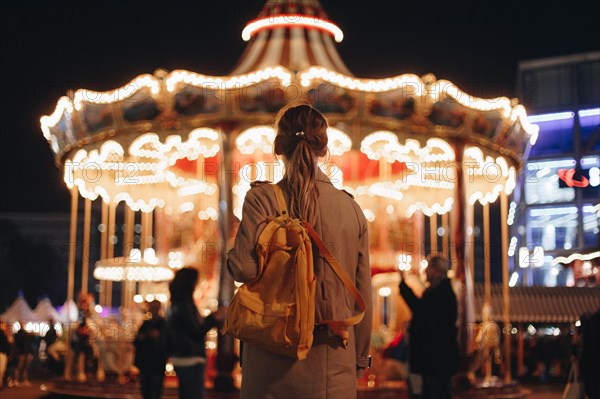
x=36 y=392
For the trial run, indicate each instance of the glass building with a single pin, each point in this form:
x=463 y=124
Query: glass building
x=555 y=230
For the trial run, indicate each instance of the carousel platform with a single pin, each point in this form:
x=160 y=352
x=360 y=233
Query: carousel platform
x=104 y=390
x=66 y=389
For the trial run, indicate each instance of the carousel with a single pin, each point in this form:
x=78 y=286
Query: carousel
x=169 y=156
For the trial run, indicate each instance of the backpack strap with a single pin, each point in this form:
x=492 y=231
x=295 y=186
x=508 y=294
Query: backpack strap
x=339 y=327
x=280 y=200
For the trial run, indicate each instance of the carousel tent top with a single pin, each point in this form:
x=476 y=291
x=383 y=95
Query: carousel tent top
x=293 y=34
x=45 y=311
x=19 y=311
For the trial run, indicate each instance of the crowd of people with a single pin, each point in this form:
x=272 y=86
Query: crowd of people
x=18 y=350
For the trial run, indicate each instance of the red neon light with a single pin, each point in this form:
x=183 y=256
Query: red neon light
x=566 y=175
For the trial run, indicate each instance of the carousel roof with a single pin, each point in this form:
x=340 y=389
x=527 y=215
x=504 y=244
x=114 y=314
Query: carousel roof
x=150 y=142
x=294 y=34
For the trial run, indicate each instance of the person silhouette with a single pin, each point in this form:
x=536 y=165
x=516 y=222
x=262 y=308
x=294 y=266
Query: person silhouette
x=433 y=345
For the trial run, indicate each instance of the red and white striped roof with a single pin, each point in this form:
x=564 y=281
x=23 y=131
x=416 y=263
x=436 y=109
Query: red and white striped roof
x=295 y=34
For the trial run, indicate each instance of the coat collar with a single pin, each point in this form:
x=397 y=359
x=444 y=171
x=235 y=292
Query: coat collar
x=322 y=177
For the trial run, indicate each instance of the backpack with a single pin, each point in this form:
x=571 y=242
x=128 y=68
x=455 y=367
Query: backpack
x=276 y=310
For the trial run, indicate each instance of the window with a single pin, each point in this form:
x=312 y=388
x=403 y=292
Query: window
x=547 y=87
x=588 y=83
x=590 y=167
x=589 y=121
x=556 y=133
x=591 y=238
x=542 y=183
x=552 y=228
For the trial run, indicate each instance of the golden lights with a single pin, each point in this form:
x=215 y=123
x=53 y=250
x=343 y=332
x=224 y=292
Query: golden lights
x=292 y=21
x=109 y=173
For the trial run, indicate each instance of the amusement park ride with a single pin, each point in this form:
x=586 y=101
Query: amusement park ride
x=177 y=150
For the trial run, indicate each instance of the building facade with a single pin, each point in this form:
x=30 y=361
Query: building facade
x=555 y=214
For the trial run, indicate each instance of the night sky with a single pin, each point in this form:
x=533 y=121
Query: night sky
x=49 y=47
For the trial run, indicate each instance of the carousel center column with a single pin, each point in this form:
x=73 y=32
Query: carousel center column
x=226 y=358
x=461 y=269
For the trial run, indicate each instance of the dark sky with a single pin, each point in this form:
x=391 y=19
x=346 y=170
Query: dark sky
x=50 y=47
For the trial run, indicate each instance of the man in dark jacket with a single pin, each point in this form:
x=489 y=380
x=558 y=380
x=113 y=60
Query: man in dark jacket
x=433 y=346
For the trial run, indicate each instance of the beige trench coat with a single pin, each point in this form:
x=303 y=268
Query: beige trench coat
x=330 y=370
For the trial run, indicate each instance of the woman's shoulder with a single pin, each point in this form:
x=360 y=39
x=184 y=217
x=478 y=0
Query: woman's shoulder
x=259 y=189
x=344 y=200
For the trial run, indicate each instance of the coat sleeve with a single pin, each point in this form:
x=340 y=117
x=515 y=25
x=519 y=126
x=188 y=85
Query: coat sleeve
x=242 y=262
x=409 y=297
x=194 y=325
x=363 y=283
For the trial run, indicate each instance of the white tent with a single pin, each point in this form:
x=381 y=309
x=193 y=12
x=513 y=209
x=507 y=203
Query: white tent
x=19 y=311
x=69 y=312
x=44 y=311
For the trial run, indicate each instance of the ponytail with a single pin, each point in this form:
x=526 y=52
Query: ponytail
x=301 y=139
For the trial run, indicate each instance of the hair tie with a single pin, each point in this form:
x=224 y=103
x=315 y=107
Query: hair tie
x=301 y=135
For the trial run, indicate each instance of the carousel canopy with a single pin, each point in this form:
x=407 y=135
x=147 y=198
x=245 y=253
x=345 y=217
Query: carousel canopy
x=158 y=141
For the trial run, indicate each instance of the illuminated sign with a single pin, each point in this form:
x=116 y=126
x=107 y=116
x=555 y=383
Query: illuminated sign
x=566 y=175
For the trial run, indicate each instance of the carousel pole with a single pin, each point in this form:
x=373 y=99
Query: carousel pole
x=487 y=281
x=72 y=244
x=127 y=247
x=150 y=238
x=110 y=250
x=468 y=286
x=71 y=277
x=445 y=238
x=486 y=254
x=149 y=241
x=144 y=224
x=148 y=232
x=418 y=223
x=85 y=262
x=103 y=249
x=471 y=238
x=143 y=240
x=505 y=292
x=226 y=359
x=385 y=170
x=158 y=237
x=124 y=346
x=433 y=226
x=100 y=372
